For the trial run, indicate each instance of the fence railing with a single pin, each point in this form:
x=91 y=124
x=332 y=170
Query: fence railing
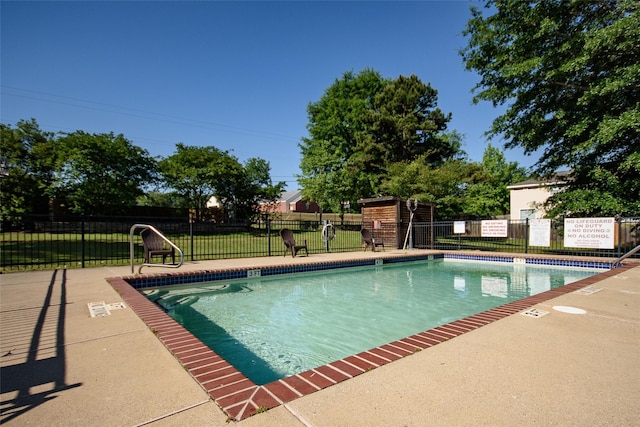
x=37 y=242
x=442 y=235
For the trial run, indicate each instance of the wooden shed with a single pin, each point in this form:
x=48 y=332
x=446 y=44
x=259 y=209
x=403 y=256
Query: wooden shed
x=388 y=218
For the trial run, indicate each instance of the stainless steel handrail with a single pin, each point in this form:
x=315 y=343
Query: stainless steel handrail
x=155 y=230
x=628 y=254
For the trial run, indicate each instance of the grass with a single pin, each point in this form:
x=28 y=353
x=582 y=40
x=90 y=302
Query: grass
x=40 y=250
x=26 y=251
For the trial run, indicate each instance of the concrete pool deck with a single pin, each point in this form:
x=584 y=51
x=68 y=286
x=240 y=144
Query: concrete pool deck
x=62 y=367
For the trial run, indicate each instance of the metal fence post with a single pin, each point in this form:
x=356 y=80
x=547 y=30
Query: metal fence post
x=82 y=244
x=191 y=239
x=269 y=236
x=619 y=221
x=526 y=236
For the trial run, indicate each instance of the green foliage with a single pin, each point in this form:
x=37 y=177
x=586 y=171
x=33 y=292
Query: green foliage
x=443 y=185
x=569 y=73
x=363 y=124
x=158 y=199
x=250 y=188
x=104 y=174
x=592 y=200
x=26 y=158
x=98 y=174
x=458 y=188
x=489 y=196
x=199 y=173
x=335 y=123
x=196 y=173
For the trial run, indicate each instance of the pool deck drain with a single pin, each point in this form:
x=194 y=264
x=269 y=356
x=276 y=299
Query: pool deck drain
x=534 y=312
x=589 y=290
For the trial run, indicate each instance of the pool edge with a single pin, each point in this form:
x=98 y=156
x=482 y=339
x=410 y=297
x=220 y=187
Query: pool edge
x=240 y=398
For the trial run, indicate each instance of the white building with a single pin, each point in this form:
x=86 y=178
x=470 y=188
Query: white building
x=526 y=198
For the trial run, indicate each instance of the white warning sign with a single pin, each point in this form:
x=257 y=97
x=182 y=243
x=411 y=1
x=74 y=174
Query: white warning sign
x=596 y=233
x=495 y=228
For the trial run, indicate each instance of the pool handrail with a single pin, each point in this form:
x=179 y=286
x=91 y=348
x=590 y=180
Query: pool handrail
x=628 y=254
x=148 y=264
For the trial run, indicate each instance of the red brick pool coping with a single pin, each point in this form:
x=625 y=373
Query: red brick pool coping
x=240 y=398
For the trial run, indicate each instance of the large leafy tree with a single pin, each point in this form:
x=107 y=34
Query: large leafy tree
x=244 y=191
x=569 y=74
x=195 y=173
x=26 y=159
x=443 y=185
x=361 y=125
x=199 y=173
x=100 y=174
x=488 y=196
x=335 y=124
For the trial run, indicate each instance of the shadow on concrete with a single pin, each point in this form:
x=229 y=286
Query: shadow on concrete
x=44 y=367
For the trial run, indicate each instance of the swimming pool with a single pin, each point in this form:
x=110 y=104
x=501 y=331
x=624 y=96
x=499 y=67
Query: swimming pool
x=240 y=397
x=280 y=326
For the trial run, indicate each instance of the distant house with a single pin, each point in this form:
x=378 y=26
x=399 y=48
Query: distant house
x=290 y=201
x=526 y=198
x=213 y=202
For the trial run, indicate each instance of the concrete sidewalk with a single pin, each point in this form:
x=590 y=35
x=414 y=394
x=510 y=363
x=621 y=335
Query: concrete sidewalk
x=62 y=367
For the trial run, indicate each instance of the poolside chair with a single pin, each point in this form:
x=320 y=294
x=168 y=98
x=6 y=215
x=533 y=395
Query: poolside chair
x=369 y=242
x=154 y=245
x=290 y=243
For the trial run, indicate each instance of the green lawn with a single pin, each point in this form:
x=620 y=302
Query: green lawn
x=53 y=250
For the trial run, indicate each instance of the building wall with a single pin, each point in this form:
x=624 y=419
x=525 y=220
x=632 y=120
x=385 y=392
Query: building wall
x=302 y=206
x=527 y=198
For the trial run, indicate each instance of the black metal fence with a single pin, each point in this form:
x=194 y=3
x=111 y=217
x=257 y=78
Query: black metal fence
x=443 y=235
x=38 y=242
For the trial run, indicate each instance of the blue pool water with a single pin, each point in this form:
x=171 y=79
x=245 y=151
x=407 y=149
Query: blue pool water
x=271 y=328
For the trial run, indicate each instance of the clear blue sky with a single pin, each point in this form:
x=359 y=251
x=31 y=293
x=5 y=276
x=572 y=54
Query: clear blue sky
x=235 y=75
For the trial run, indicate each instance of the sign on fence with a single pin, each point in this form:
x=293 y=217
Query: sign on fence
x=495 y=228
x=459 y=227
x=540 y=232
x=597 y=233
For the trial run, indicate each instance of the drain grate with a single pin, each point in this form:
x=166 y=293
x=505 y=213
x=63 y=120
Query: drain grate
x=534 y=312
x=116 y=306
x=588 y=290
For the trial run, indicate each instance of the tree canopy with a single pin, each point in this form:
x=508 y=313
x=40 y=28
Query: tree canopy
x=361 y=125
x=569 y=74
x=200 y=173
x=106 y=174
x=100 y=173
x=26 y=158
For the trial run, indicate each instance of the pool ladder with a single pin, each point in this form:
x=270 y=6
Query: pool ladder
x=628 y=254
x=133 y=228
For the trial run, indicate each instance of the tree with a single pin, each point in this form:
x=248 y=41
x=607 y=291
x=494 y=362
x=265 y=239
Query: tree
x=443 y=185
x=361 y=125
x=404 y=123
x=569 y=73
x=199 y=173
x=489 y=196
x=26 y=159
x=335 y=122
x=251 y=186
x=196 y=173
x=100 y=174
